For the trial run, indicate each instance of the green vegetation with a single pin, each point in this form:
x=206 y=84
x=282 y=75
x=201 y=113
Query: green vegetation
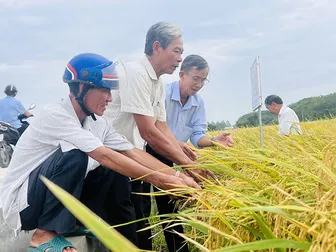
x=219 y=125
x=307 y=109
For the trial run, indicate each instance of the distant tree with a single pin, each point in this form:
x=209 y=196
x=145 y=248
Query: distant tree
x=315 y=108
x=222 y=125
x=212 y=126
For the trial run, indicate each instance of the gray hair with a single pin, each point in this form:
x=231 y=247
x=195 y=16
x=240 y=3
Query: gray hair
x=194 y=61
x=162 y=32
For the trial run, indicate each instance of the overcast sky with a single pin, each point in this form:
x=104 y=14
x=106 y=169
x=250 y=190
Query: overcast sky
x=295 y=40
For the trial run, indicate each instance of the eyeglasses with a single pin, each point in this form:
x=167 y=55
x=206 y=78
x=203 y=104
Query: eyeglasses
x=197 y=80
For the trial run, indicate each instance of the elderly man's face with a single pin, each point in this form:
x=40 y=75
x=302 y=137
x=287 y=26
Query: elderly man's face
x=193 y=80
x=171 y=56
x=97 y=99
x=273 y=108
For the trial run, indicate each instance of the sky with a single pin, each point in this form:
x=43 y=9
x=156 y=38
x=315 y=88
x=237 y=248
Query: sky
x=295 y=40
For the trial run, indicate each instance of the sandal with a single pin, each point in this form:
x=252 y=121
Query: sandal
x=57 y=244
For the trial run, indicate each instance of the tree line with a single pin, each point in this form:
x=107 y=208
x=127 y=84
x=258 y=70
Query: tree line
x=307 y=109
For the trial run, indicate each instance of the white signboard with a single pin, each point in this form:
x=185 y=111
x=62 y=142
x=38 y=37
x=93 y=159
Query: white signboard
x=256 y=85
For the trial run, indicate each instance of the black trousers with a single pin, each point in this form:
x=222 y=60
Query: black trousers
x=142 y=205
x=99 y=191
x=22 y=128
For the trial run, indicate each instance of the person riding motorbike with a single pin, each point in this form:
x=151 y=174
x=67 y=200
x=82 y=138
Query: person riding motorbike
x=11 y=108
x=9 y=135
x=12 y=124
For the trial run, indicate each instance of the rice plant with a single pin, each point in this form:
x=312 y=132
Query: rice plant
x=278 y=198
x=281 y=197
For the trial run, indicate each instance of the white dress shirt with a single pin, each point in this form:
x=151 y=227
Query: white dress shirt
x=288 y=122
x=141 y=92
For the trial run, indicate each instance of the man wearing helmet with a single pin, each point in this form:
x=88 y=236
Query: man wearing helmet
x=11 y=108
x=73 y=145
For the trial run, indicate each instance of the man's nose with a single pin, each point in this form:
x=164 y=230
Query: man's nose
x=109 y=97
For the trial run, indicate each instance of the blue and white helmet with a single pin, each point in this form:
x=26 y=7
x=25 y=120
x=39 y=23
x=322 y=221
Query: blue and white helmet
x=92 y=69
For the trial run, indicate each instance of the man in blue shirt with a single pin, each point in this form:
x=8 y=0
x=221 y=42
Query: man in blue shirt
x=11 y=108
x=186 y=118
x=185 y=108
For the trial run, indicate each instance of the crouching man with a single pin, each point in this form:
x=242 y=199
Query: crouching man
x=58 y=146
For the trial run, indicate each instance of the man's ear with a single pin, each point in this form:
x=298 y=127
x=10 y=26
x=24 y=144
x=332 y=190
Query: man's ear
x=181 y=74
x=156 y=47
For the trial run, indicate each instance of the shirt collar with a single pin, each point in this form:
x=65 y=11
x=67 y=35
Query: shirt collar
x=67 y=105
x=149 y=68
x=176 y=96
x=176 y=92
x=282 y=109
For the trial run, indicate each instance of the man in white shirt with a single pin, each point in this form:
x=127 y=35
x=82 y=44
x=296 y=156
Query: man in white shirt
x=288 y=120
x=138 y=107
x=59 y=143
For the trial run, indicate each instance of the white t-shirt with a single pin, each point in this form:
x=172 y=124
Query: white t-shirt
x=288 y=121
x=56 y=127
x=141 y=93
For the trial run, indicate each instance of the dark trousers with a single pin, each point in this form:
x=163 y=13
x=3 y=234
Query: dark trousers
x=142 y=205
x=22 y=128
x=68 y=170
x=120 y=208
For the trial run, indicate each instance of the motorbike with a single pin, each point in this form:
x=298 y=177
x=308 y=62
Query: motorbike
x=9 y=136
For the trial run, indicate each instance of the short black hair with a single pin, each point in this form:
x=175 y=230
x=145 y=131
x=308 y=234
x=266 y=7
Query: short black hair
x=273 y=98
x=11 y=90
x=194 y=60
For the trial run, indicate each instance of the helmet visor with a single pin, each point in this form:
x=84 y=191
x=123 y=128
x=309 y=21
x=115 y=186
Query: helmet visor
x=110 y=77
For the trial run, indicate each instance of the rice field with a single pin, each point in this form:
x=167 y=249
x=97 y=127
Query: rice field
x=278 y=198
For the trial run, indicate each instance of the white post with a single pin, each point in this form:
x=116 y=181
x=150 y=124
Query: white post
x=261 y=102
x=261 y=131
